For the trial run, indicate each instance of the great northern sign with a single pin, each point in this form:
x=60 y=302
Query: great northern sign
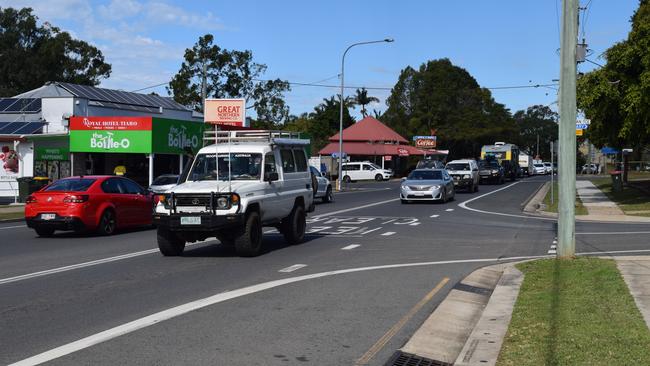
x=225 y=112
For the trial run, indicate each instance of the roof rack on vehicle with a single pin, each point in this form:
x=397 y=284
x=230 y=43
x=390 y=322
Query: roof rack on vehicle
x=243 y=136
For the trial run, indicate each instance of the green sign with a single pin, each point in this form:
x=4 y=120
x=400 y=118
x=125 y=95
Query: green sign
x=52 y=153
x=175 y=137
x=110 y=141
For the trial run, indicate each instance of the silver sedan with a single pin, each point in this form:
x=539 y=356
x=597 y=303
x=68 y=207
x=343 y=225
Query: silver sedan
x=427 y=185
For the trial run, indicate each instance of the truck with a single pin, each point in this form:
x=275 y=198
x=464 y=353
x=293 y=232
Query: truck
x=240 y=182
x=506 y=154
x=526 y=164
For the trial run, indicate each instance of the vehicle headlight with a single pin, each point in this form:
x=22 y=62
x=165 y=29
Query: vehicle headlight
x=435 y=187
x=466 y=176
x=494 y=171
x=222 y=202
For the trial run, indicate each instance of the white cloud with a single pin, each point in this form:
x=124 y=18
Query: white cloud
x=160 y=12
x=53 y=9
x=120 y=9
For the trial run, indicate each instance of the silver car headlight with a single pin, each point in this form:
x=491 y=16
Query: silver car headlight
x=494 y=171
x=435 y=187
x=222 y=202
x=466 y=176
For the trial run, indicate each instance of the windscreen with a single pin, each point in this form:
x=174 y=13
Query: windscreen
x=71 y=185
x=457 y=166
x=425 y=175
x=488 y=164
x=165 y=180
x=243 y=166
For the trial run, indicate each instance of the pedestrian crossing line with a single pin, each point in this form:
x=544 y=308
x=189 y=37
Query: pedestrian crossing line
x=415 y=224
x=388 y=233
x=351 y=246
x=552 y=251
x=434 y=216
x=292 y=268
x=371 y=230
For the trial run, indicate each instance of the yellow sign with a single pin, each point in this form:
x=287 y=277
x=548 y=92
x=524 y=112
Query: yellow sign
x=579 y=132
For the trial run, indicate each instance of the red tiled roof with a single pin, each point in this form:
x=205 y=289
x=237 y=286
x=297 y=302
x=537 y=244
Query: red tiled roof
x=369 y=129
x=364 y=148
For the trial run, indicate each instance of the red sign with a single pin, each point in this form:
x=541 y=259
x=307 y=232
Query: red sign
x=388 y=158
x=110 y=123
x=225 y=112
x=403 y=152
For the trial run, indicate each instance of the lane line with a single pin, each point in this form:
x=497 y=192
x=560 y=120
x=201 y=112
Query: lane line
x=356 y=208
x=371 y=230
x=449 y=209
x=292 y=268
x=399 y=325
x=71 y=267
x=552 y=251
x=351 y=246
x=176 y=311
x=434 y=216
x=615 y=252
x=614 y=233
x=553 y=246
x=12 y=227
x=388 y=233
x=415 y=224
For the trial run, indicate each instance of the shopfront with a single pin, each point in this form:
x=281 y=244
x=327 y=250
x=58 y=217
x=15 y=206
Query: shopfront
x=144 y=146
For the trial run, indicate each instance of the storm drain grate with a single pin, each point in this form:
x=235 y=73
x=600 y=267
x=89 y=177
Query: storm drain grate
x=400 y=358
x=473 y=289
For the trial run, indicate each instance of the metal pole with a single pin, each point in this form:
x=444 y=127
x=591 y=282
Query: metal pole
x=552 y=181
x=567 y=158
x=151 y=156
x=204 y=87
x=340 y=175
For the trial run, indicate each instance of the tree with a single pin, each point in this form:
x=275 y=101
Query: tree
x=616 y=97
x=228 y=74
x=537 y=120
x=362 y=98
x=31 y=55
x=442 y=97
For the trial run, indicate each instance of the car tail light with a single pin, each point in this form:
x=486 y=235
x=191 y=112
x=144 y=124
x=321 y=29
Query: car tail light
x=76 y=199
x=30 y=199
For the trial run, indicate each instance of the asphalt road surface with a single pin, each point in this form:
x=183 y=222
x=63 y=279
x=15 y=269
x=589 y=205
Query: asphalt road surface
x=370 y=272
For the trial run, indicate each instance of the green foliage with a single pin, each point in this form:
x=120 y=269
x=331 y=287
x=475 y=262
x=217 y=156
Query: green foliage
x=537 y=120
x=31 y=55
x=362 y=98
x=447 y=98
x=617 y=97
x=229 y=74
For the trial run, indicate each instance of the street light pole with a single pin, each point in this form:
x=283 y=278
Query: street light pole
x=340 y=175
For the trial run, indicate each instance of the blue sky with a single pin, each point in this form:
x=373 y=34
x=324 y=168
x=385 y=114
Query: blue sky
x=501 y=43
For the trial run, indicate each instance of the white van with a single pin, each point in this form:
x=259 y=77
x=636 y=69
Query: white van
x=365 y=170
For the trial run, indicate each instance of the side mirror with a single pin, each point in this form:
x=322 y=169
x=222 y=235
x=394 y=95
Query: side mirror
x=271 y=177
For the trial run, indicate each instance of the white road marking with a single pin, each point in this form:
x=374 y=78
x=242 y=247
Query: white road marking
x=615 y=252
x=554 y=241
x=614 y=233
x=371 y=230
x=356 y=208
x=46 y=272
x=434 y=216
x=464 y=206
x=415 y=224
x=174 y=312
x=449 y=209
x=12 y=227
x=388 y=233
x=553 y=246
x=292 y=268
x=351 y=246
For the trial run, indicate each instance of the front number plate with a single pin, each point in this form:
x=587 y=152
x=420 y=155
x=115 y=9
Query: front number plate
x=49 y=216
x=190 y=220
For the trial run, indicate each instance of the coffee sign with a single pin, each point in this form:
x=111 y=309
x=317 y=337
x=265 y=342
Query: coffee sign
x=425 y=142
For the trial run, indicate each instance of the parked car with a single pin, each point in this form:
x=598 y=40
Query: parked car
x=490 y=171
x=365 y=171
x=100 y=203
x=539 y=169
x=464 y=173
x=427 y=184
x=430 y=164
x=548 y=168
x=323 y=187
x=163 y=183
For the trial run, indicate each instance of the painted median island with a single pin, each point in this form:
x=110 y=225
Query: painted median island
x=575 y=312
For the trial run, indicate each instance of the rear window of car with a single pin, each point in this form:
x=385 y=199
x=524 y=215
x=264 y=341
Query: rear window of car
x=71 y=185
x=161 y=181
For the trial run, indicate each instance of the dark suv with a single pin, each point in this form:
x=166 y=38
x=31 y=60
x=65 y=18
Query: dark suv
x=490 y=171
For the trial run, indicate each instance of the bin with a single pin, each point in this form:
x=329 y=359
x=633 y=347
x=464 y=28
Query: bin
x=617 y=180
x=38 y=183
x=23 y=188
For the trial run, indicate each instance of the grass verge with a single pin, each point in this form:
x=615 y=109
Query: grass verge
x=552 y=207
x=575 y=312
x=631 y=200
x=11 y=215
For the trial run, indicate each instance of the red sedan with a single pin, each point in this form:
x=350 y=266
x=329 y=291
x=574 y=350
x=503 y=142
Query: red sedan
x=100 y=203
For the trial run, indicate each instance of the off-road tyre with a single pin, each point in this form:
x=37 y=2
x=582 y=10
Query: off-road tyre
x=169 y=244
x=107 y=223
x=295 y=225
x=44 y=232
x=328 y=197
x=249 y=244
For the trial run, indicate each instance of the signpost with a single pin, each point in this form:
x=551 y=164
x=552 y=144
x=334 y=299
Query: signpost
x=231 y=112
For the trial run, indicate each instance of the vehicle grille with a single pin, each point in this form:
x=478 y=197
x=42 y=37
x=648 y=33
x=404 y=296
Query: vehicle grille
x=192 y=200
x=423 y=196
x=420 y=188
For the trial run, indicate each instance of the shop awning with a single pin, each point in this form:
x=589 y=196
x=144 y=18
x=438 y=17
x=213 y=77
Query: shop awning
x=364 y=148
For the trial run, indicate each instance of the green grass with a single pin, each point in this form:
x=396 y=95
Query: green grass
x=11 y=215
x=631 y=200
x=575 y=312
x=552 y=207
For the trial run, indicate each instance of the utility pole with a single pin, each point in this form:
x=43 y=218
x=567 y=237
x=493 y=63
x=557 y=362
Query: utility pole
x=552 y=174
x=204 y=86
x=537 y=157
x=567 y=157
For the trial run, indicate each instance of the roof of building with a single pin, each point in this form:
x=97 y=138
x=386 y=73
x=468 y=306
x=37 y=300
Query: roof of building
x=370 y=129
x=364 y=148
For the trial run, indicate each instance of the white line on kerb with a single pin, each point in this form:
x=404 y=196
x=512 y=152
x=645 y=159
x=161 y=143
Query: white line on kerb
x=449 y=209
x=351 y=246
x=388 y=233
x=614 y=233
x=292 y=268
x=552 y=251
x=158 y=317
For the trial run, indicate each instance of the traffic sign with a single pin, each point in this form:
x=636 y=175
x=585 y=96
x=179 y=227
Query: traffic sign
x=581 y=126
x=579 y=132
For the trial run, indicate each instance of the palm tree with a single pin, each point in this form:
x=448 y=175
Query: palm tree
x=361 y=98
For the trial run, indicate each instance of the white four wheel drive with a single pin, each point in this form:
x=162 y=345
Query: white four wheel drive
x=242 y=182
x=464 y=173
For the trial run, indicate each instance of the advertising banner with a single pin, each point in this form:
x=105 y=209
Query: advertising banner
x=52 y=153
x=110 y=123
x=9 y=162
x=174 y=136
x=225 y=112
x=111 y=141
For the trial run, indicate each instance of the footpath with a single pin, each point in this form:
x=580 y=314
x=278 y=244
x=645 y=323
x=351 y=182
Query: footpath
x=469 y=326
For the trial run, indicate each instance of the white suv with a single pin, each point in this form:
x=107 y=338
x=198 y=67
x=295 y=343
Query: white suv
x=464 y=173
x=365 y=170
x=247 y=180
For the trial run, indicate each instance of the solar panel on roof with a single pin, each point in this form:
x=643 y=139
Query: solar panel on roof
x=122 y=97
x=29 y=128
x=13 y=105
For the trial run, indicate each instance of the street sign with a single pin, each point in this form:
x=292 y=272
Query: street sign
x=335 y=155
x=425 y=142
x=579 y=132
x=581 y=126
x=230 y=112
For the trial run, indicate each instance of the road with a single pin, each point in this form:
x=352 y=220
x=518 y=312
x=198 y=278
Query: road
x=370 y=272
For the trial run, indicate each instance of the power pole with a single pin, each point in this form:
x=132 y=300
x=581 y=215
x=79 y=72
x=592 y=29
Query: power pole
x=567 y=157
x=204 y=86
